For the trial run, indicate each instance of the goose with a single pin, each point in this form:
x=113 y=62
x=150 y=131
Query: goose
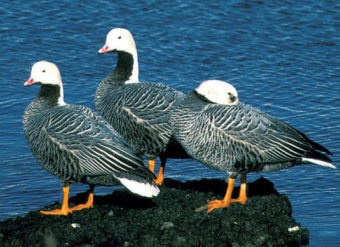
x=221 y=132
x=77 y=145
x=140 y=112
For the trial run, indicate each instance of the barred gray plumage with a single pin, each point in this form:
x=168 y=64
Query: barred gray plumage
x=238 y=138
x=75 y=144
x=140 y=112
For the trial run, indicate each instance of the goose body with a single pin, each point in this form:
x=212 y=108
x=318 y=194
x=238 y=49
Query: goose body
x=236 y=138
x=140 y=112
x=75 y=144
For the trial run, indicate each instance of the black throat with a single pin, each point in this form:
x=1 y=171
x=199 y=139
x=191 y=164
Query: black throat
x=124 y=65
x=49 y=94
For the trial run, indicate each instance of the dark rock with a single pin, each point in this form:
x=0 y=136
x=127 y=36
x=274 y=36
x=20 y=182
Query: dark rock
x=123 y=219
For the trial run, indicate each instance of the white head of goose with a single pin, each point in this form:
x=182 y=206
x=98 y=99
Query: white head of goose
x=227 y=135
x=47 y=74
x=218 y=92
x=120 y=40
x=78 y=145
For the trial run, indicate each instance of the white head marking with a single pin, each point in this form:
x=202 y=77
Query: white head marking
x=47 y=73
x=120 y=39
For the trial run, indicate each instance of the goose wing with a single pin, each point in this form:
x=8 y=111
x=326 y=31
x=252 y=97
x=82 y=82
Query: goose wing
x=149 y=105
x=96 y=147
x=253 y=135
x=141 y=113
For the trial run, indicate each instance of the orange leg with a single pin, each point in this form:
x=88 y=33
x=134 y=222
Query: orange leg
x=160 y=177
x=242 y=198
x=226 y=200
x=65 y=210
x=88 y=204
x=151 y=164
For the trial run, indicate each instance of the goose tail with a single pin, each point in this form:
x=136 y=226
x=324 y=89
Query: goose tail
x=319 y=159
x=139 y=185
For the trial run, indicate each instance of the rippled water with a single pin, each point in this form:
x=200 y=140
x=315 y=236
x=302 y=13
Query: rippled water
x=282 y=56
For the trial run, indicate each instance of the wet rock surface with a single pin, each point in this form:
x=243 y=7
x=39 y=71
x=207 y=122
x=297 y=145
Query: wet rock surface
x=171 y=219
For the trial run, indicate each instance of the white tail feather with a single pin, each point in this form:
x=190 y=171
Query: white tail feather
x=319 y=162
x=146 y=189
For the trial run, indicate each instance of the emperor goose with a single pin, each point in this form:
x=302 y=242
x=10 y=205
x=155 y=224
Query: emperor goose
x=227 y=135
x=140 y=112
x=77 y=145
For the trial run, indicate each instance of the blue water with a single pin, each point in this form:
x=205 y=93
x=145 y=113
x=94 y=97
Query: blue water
x=282 y=56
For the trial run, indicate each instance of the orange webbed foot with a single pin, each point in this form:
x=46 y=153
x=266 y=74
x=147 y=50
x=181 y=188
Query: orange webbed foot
x=81 y=206
x=243 y=191
x=217 y=204
x=240 y=200
x=158 y=181
x=57 y=211
x=88 y=204
x=65 y=210
x=226 y=200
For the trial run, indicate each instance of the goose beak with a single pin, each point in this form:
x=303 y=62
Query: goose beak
x=29 y=82
x=104 y=49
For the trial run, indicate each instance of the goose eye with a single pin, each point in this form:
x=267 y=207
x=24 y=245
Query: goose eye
x=43 y=71
x=119 y=37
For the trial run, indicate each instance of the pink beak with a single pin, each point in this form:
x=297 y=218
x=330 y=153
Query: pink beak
x=29 y=82
x=104 y=49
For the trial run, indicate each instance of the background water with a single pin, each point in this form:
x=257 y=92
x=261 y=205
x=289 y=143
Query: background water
x=282 y=56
